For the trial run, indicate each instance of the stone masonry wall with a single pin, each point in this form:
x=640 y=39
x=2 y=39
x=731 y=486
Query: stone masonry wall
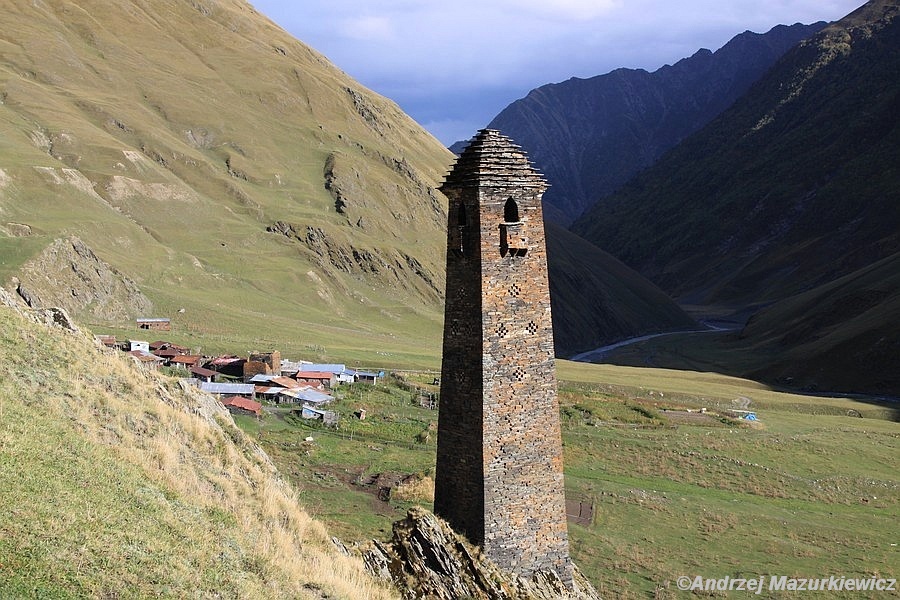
x=498 y=376
x=459 y=485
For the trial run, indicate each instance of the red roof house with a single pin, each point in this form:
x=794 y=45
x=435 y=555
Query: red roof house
x=239 y=405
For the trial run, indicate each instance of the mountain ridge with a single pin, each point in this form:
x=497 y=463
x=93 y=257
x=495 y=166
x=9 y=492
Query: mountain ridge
x=767 y=180
x=589 y=136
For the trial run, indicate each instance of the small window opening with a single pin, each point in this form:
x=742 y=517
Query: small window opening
x=458 y=232
x=513 y=239
x=511 y=211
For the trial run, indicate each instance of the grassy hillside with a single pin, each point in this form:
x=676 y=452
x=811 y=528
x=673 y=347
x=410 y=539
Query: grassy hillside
x=834 y=335
x=221 y=165
x=806 y=491
x=117 y=483
x=231 y=179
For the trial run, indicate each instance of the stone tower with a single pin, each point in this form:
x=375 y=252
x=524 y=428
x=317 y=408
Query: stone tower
x=499 y=476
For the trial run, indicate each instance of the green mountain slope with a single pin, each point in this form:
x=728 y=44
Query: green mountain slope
x=220 y=165
x=193 y=161
x=794 y=186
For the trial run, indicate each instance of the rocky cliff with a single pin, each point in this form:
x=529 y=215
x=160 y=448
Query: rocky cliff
x=67 y=274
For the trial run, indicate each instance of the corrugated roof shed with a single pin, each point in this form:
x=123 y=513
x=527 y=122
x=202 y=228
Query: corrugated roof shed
x=311 y=395
x=227 y=388
x=262 y=378
x=186 y=359
x=144 y=356
x=328 y=367
x=267 y=390
x=203 y=372
x=286 y=382
x=314 y=375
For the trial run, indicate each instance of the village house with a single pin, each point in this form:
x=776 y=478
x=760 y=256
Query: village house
x=310 y=396
x=341 y=373
x=207 y=375
x=109 y=341
x=156 y=324
x=320 y=379
x=367 y=377
x=145 y=359
x=265 y=363
x=228 y=389
x=185 y=360
x=242 y=406
x=329 y=417
x=231 y=366
x=164 y=345
x=138 y=345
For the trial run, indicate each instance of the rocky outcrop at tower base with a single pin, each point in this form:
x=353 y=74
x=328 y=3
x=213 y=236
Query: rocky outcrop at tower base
x=426 y=559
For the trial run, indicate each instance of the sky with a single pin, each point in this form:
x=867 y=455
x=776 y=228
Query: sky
x=453 y=65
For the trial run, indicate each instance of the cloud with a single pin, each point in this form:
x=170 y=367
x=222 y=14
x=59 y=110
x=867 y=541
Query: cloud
x=370 y=28
x=464 y=61
x=564 y=10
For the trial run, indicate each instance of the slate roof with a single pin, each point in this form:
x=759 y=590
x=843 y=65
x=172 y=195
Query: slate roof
x=492 y=159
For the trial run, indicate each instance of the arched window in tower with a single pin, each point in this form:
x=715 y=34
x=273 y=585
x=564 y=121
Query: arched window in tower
x=511 y=211
x=513 y=240
x=457 y=231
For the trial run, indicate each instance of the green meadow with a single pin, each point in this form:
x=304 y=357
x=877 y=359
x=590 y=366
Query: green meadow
x=679 y=486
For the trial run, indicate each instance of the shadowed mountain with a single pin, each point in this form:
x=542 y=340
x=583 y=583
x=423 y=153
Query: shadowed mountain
x=597 y=300
x=794 y=186
x=590 y=136
x=842 y=336
x=791 y=195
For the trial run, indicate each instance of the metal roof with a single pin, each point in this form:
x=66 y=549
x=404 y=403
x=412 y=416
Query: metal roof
x=327 y=367
x=189 y=359
x=144 y=356
x=226 y=360
x=310 y=395
x=286 y=382
x=203 y=372
x=314 y=375
x=227 y=388
x=245 y=403
x=262 y=378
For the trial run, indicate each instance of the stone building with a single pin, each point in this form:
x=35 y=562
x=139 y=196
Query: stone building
x=499 y=476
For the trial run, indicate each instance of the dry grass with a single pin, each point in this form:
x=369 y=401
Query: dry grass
x=416 y=489
x=198 y=505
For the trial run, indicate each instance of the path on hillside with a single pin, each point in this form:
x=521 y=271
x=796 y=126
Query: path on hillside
x=598 y=353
